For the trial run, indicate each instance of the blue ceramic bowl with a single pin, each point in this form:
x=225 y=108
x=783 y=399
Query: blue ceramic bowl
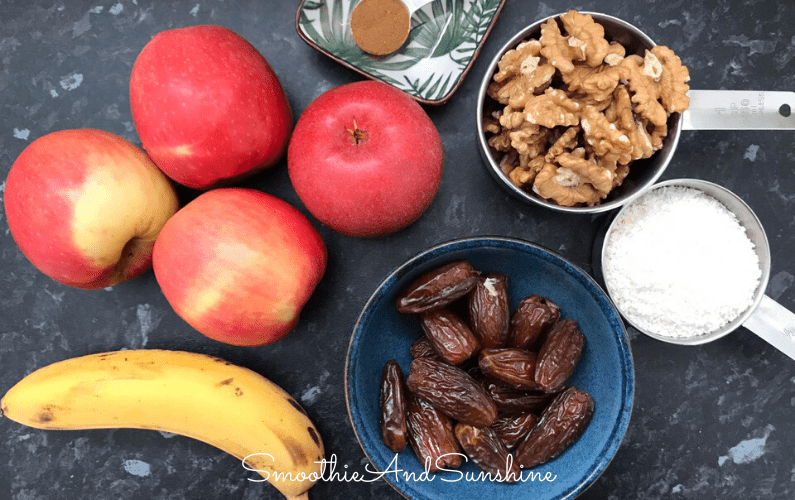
x=605 y=371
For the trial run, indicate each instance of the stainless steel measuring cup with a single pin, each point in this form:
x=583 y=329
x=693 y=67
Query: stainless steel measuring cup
x=765 y=317
x=709 y=110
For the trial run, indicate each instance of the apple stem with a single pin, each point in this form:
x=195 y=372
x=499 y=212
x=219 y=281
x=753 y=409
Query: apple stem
x=358 y=135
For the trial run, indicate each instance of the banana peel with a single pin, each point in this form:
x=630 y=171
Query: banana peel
x=203 y=397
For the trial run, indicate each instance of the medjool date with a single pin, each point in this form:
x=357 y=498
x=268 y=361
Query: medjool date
x=481 y=376
x=560 y=425
x=532 y=319
x=438 y=288
x=422 y=348
x=510 y=400
x=449 y=335
x=450 y=390
x=486 y=450
x=512 y=428
x=431 y=436
x=515 y=367
x=490 y=310
x=559 y=355
x=393 y=407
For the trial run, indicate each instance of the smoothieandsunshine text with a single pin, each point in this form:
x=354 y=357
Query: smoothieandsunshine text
x=329 y=472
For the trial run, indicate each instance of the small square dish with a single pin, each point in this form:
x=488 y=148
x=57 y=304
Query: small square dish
x=446 y=38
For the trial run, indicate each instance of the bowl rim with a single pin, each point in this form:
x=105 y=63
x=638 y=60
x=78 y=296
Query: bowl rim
x=621 y=424
x=428 y=102
x=494 y=168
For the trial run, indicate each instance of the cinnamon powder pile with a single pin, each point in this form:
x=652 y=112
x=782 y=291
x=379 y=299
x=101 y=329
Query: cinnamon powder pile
x=380 y=27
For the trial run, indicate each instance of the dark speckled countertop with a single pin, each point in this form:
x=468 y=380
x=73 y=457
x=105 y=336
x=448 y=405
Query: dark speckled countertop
x=709 y=422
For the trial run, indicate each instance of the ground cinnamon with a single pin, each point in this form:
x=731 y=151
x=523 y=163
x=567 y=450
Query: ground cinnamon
x=380 y=27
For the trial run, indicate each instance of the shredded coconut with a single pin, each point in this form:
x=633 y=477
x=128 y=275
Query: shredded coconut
x=679 y=264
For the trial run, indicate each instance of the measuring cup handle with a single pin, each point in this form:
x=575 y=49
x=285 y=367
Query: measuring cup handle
x=774 y=323
x=739 y=110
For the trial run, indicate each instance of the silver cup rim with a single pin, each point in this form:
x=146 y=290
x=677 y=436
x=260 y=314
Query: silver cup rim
x=674 y=132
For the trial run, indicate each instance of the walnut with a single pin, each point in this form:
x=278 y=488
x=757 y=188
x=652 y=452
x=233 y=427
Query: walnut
x=511 y=63
x=520 y=74
x=620 y=174
x=517 y=92
x=619 y=171
x=652 y=66
x=501 y=141
x=646 y=92
x=524 y=175
x=564 y=186
x=621 y=114
x=596 y=83
x=672 y=80
x=588 y=171
x=578 y=110
x=493 y=89
x=615 y=54
x=657 y=134
x=492 y=125
x=565 y=143
x=508 y=161
x=574 y=79
x=529 y=139
x=555 y=47
x=606 y=139
x=658 y=82
x=512 y=118
x=589 y=36
x=585 y=100
x=551 y=109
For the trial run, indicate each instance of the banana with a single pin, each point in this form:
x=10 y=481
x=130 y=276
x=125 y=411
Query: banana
x=195 y=395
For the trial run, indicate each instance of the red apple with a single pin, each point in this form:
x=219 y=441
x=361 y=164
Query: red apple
x=85 y=207
x=239 y=265
x=365 y=159
x=207 y=106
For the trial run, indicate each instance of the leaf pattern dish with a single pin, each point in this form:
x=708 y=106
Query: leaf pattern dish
x=445 y=39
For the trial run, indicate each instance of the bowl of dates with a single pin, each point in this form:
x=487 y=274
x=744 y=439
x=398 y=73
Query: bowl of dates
x=489 y=367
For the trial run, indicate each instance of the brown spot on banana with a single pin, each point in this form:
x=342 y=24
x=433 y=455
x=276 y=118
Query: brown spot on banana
x=295 y=450
x=313 y=435
x=45 y=415
x=295 y=404
x=225 y=382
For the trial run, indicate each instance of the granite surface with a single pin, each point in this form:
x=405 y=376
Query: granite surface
x=709 y=422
